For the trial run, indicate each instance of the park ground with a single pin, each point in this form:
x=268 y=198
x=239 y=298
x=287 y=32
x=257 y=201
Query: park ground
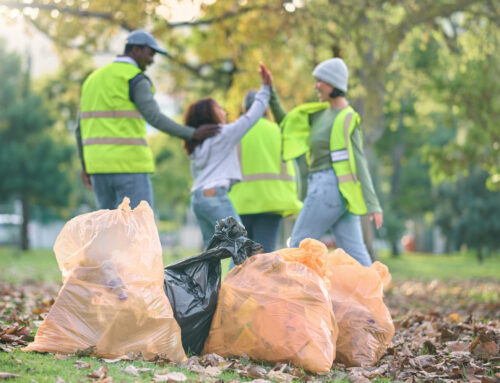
x=446 y=310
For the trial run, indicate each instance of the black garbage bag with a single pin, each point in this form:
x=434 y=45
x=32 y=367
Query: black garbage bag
x=192 y=285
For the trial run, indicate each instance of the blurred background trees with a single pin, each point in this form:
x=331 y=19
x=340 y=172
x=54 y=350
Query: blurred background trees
x=424 y=76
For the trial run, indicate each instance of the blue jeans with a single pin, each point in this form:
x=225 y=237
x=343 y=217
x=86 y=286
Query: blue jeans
x=110 y=189
x=263 y=228
x=209 y=209
x=325 y=209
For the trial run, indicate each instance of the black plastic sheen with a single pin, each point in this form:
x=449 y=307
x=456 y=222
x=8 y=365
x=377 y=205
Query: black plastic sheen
x=192 y=285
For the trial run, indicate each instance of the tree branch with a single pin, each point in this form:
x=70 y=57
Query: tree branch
x=225 y=16
x=68 y=11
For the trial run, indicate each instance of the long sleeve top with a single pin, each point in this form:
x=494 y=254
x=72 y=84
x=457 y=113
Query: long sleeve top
x=363 y=173
x=143 y=98
x=215 y=161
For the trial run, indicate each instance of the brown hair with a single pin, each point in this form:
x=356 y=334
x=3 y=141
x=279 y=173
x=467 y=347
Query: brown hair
x=198 y=113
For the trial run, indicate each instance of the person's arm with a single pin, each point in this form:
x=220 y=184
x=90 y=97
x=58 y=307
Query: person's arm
x=274 y=103
x=371 y=200
x=237 y=129
x=149 y=109
x=79 y=149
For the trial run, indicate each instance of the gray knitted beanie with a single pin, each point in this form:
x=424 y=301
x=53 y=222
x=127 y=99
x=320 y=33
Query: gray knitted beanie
x=249 y=98
x=334 y=72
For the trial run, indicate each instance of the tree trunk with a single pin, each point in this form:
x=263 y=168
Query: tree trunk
x=480 y=257
x=395 y=248
x=25 y=245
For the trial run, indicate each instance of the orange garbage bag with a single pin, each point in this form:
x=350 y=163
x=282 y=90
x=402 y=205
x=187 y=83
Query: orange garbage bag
x=274 y=308
x=365 y=324
x=112 y=297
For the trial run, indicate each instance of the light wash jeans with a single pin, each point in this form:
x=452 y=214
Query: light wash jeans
x=263 y=228
x=325 y=209
x=209 y=210
x=109 y=189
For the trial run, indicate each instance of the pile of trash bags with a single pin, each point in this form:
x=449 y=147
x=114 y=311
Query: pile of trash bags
x=301 y=305
x=305 y=306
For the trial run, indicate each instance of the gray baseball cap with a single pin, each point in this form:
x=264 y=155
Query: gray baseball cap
x=144 y=38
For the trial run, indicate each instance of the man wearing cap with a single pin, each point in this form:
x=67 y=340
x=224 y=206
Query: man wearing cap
x=116 y=102
x=339 y=187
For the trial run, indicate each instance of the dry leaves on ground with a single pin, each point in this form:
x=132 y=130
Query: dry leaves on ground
x=443 y=333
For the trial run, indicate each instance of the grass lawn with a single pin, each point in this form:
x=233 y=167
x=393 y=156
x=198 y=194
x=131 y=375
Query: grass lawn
x=41 y=266
x=443 y=267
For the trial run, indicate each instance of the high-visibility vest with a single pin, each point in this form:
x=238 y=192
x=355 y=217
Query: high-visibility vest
x=112 y=129
x=296 y=131
x=268 y=184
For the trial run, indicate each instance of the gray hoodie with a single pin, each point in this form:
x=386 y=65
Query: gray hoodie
x=215 y=161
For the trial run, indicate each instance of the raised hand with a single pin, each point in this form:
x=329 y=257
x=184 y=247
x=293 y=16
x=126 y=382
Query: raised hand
x=265 y=74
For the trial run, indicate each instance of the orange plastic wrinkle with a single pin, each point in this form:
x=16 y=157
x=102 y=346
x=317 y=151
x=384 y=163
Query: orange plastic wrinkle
x=274 y=310
x=356 y=293
x=311 y=253
x=112 y=298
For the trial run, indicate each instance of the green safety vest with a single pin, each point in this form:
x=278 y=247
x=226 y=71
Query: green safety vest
x=112 y=129
x=268 y=184
x=296 y=130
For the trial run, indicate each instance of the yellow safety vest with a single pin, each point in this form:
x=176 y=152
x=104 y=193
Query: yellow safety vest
x=296 y=130
x=268 y=184
x=112 y=129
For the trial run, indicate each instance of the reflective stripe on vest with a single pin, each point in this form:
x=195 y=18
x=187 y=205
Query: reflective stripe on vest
x=112 y=129
x=340 y=142
x=268 y=184
x=115 y=141
x=111 y=114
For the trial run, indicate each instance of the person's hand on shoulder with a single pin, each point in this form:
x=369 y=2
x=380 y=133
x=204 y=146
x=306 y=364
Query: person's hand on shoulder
x=265 y=74
x=205 y=131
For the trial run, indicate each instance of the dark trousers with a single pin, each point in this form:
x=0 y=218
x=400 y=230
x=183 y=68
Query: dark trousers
x=263 y=228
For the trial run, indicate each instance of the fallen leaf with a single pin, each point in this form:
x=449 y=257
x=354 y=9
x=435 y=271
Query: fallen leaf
x=486 y=350
x=453 y=317
x=89 y=351
x=255 y=372
x=81 y=364
x=114 y=360
x=280 y=376
x=211 y=360
x=8 y=375
x=100 y=373
x=5 y=349
x=61 y=357
x=130 y=369
x=423 y=362
x=59 y=379
x=173 y=377
x=457 y=346
x=212 y=371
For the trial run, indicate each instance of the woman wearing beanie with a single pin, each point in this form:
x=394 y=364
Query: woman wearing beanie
x=339 y=188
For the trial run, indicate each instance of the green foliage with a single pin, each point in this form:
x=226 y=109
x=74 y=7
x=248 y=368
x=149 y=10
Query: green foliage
x=172 y=179
x=470 y=213
x=38 y=170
